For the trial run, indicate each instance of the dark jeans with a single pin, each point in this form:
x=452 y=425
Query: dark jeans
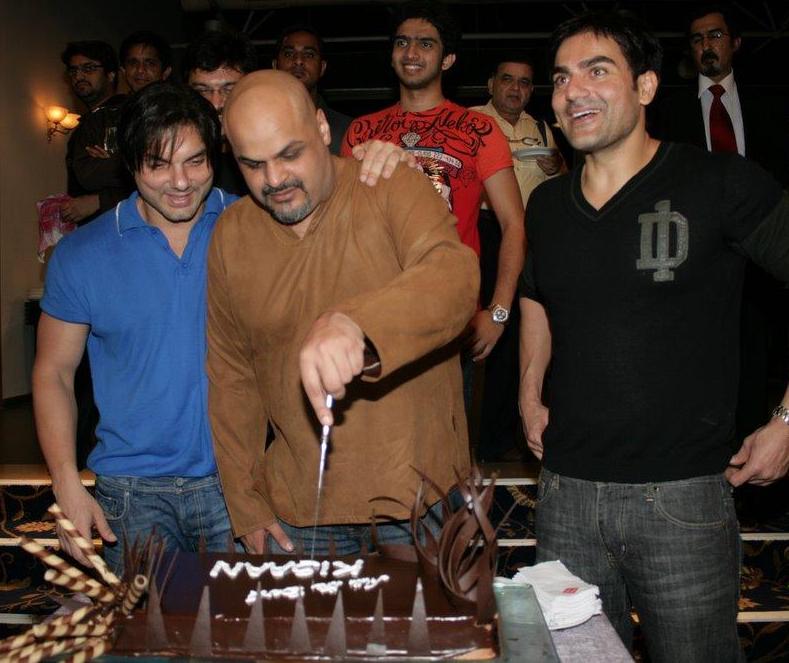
x=182 y=509
x=670 y=549
x=350 y=539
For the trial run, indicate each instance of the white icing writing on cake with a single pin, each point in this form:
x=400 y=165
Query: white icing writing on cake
x=303 y=568
x=367 y=584
x=331 y=588
x=292 y=593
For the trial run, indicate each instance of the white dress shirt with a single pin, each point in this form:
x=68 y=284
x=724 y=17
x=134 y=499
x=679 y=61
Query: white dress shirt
x=731 y=102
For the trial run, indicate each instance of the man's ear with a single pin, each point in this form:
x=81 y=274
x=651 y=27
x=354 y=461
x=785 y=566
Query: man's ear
x=323 y=127
x=448 y=61
x=735 y=44
x=323 y=68
x=111 y=76
x=166 y=73
x=490 y=86
x=274 y=63
x=647 y=85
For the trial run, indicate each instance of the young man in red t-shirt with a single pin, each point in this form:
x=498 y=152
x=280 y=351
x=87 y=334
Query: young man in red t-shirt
x=462 y=151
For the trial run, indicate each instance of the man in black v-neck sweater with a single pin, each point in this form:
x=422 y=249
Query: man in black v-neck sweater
x=631 y=292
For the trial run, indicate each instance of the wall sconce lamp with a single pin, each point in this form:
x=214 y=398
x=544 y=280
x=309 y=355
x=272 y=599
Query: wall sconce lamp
x=59 y=121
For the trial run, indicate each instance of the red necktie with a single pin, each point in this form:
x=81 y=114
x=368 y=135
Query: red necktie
x=722 y=137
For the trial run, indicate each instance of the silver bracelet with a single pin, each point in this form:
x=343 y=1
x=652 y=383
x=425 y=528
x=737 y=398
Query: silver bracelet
x=782 y=413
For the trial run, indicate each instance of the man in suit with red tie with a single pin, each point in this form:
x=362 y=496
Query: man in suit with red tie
x=722 y=116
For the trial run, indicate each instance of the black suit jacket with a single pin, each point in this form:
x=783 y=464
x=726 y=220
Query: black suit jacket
x=765 y=118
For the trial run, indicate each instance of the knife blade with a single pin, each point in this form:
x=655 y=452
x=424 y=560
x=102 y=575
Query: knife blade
x=325 y=435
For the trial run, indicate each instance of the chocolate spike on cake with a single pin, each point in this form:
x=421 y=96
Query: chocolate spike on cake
x=376 y=645
x=336 y=641
x=418 y=636
x=200 y=644
x=155 y=632
x=255 y=637
x=299 y=633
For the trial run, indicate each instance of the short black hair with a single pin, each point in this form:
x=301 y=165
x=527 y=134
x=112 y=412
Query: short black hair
x=151 y=117
x=100 y=51
x=518 y=58
x=300 y=27
x=699 y=11
x=147 y=38
x=435 y=13
x=213 y=50
x=641 y=48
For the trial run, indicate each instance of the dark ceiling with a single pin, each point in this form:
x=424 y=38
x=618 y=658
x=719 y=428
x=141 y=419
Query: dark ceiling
x=359 y=77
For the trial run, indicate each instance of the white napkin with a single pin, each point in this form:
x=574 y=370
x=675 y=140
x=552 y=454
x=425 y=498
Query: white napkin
x=564 y=598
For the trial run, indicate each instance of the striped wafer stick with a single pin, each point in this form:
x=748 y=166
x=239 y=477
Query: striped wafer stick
x=84 y=545
x=16 y=641
x=35 y=652
x=73 y=617
x=51 y=559
x=91 y=649
x=136 y=589
x=50 y=632
x=87 y=586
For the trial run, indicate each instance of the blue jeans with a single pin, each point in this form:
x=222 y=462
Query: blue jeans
x=671 y=550
x=351 y=539
x=181 y=509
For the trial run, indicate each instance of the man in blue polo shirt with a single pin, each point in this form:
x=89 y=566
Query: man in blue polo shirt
x=132 y=286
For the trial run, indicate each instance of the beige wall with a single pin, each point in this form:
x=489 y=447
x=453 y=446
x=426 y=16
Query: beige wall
x=32 y=35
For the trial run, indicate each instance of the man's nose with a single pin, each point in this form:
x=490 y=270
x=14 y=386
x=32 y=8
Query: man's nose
x=276 y=174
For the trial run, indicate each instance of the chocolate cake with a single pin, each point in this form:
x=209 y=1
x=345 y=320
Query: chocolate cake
x=390 y=609
x=431 y=600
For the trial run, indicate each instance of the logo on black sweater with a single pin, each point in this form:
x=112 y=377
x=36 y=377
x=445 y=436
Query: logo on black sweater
x=664 y=241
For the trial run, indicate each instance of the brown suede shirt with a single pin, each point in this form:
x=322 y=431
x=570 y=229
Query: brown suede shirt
x=388 y=257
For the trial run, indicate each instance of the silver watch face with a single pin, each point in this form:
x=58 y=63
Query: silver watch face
x=500 y=314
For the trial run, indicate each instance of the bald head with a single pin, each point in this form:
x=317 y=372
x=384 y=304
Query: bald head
x=267 y=92
x=281 y=144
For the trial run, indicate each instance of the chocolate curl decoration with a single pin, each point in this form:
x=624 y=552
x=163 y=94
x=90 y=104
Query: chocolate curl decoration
x=467 y=547
x=85 y=546
x=87 y=586
x=464 y=554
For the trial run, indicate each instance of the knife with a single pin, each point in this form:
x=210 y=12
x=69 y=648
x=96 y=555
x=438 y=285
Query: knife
x=325 y=435
x=372 y=367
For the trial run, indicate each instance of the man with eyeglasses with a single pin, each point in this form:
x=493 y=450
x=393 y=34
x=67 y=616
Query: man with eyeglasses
x=723 y=114
x=212 y=65
x=145 y=58
x=97 y=180
x=462 y=151
x=301 y=52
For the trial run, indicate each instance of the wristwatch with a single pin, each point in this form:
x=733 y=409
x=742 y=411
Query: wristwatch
x=782 y=413
x=499 y=314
